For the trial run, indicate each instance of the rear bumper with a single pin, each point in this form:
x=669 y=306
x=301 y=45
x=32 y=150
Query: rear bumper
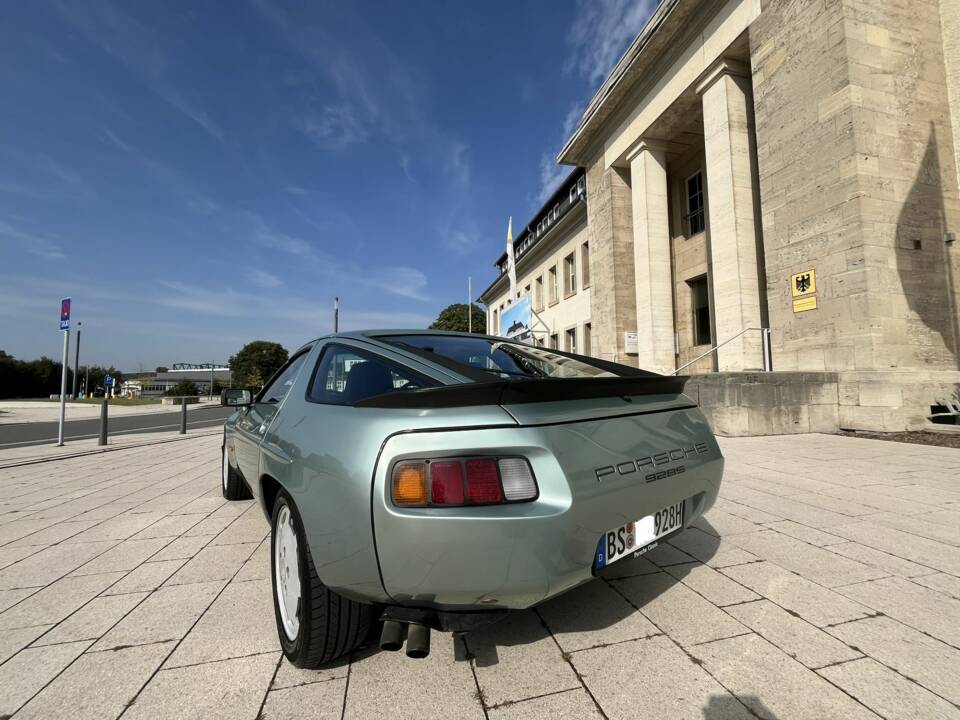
x=514 y=556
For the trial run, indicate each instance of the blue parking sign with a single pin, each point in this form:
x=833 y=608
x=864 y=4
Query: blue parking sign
x=65 y=314
x=108 y=381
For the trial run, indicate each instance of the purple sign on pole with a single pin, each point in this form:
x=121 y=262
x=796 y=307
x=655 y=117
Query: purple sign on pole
x=65 y=314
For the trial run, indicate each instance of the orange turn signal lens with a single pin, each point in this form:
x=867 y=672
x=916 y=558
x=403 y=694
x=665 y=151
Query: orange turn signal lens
x=410 y=484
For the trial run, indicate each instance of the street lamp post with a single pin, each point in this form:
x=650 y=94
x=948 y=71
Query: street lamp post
x=76 y=363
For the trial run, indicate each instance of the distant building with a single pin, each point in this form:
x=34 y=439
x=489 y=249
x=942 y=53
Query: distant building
x=553 y=268
x=201 y=377
x=769 y=164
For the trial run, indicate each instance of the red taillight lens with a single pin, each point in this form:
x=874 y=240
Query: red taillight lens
x=483 y=481
x=459 y=482
x=446 y=483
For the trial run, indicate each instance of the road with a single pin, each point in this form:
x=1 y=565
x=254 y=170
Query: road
x=40 y=433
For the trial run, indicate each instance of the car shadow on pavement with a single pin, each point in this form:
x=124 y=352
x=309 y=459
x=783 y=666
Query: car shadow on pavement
x=603 y=611
x=730 y=707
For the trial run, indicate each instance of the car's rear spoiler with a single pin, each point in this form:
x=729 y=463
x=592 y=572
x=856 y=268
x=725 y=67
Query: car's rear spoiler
x=505 y=392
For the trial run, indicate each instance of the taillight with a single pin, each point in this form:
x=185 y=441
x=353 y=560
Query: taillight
x=455 y=482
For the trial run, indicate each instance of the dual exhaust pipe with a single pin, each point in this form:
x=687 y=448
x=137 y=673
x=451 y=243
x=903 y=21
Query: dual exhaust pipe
x=418 y=638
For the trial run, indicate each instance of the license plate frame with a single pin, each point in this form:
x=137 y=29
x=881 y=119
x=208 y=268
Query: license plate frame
x=635 y=538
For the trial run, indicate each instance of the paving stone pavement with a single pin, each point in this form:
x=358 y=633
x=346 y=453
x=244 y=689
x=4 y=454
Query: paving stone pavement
x=825 y=583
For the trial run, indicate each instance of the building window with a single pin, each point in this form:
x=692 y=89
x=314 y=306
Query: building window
x=552 y=280
x=571 y=340
x=694 y=217
x=700 y=302
x=526 y=290
x=569 y=275
x=554 y=342
x=495 y=327
x=586 y=338
x=585 y=264
x=538 y=293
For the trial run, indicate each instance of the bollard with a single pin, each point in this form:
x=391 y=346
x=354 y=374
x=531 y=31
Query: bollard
x=103 y=423
x=183 y=416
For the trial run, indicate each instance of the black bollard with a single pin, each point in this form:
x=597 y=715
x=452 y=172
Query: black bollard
x=103 y=423
x=183 y=416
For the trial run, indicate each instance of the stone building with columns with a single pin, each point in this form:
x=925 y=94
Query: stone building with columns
x=791 y=165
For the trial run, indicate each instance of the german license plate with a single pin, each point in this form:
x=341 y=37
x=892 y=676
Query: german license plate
x=639 y=536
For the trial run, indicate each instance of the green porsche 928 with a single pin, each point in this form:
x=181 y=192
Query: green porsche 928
x=432 y=480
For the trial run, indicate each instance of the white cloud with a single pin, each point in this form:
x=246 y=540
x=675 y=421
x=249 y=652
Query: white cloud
x=280 y=241
x=402 y=281
x=265 y=280
x=33 y=244
x=334 y=127
x=457 y=163
x=551 y=175
x=601 y=33
x=141 y=49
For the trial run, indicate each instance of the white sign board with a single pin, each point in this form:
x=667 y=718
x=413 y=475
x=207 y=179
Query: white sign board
x=630 y=343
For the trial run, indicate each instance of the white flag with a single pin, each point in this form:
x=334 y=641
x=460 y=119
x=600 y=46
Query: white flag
x=511 y=261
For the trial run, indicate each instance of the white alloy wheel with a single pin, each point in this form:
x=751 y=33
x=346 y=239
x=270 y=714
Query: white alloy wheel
x=226 y=466
x=287 y=569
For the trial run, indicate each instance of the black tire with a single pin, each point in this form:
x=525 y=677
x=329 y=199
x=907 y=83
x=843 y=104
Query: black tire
x=231 y=484
x=330 y=625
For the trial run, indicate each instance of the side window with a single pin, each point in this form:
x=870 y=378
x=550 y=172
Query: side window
x=277 y=390
x=345 y=377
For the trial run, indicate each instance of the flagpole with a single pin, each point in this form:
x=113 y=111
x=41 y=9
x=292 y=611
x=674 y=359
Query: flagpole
x=469 y=305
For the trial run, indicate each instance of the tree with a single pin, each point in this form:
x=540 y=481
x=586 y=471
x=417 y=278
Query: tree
x=184 y=387
x=256 y=362
x=454 y=317
x=162 y=368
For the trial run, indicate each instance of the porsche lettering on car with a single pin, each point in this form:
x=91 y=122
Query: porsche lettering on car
x=423 y=480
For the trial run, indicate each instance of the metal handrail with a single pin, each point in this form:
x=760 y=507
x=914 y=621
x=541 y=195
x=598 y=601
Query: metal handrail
x=765 y=338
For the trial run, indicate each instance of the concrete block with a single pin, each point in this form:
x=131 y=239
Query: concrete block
x=758 y=395
x=680 y=612
x=248 y=605
x=290 y=676
x=814 y=603
x=214 y=562
x=516 y=658
x=772 y=684
x=93 y=619
x=816 y=564
x=712 y=550
x=29 y=670
x=798 y=638
x=147 y=577
x=389 y=684
x=924 y=609
x=875 y=394
x=166 y=615
x=227 y=689
x=717 y=588
x=591 y=615
x=926 y=660
x=674 y=685
x=823 y=418
x=325 y=701
x=56 y=601
x=572 y=704
x=886 y=692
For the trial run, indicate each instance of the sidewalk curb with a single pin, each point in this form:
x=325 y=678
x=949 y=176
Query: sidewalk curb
x=108 y=448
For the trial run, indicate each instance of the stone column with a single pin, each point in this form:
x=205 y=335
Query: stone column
x=651 y=257
x=612 y=297
x=732 y=199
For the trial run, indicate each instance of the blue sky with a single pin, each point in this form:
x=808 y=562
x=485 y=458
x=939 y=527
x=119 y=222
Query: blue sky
x=197 y=175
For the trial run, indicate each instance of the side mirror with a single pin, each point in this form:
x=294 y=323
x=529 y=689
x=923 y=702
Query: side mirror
x=235 y=397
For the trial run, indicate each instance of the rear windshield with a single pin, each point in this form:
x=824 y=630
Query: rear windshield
x=502 y=358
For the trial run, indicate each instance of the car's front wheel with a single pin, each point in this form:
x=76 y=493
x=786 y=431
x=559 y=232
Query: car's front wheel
x=315 y=624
